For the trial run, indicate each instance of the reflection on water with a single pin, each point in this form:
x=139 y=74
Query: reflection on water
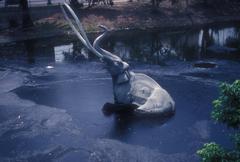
x=59 y=52
x=156 y=47
x=29 y=45
x=221 y=37
x=152 y=47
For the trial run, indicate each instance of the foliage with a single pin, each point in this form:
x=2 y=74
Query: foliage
x=236 y=139
x=226 y=110
x=211 y=152
x=227 y=106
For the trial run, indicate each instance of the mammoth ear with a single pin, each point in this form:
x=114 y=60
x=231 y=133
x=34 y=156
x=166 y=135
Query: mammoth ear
x=122 y=78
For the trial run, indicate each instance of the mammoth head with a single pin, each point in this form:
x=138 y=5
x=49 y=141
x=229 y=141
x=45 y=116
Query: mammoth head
x=115 y=66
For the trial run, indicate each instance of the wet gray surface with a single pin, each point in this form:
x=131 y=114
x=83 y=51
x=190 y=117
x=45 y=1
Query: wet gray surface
x=51 y=98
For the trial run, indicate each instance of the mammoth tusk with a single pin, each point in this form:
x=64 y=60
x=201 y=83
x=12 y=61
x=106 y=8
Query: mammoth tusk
x=101 y=50
x=73 y=27
x=82 y=37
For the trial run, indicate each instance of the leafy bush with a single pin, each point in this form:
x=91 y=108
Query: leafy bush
x=226 y=110
x=227 y=106
x=211 y=152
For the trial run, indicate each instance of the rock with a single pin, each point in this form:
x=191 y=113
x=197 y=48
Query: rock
x=10 y=80
x=221 y=49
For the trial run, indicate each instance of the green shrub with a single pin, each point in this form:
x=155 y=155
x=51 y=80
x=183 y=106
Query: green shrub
x=227 y=106
x=211 y=152
x=226 y=109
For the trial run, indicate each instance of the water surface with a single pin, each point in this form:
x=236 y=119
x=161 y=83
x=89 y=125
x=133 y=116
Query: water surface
x=60 y=73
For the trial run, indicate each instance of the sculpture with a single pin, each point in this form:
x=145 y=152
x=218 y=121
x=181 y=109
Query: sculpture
x=138 y=90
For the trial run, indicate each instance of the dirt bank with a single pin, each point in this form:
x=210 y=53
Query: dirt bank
x=141 y=16
x=49 y=20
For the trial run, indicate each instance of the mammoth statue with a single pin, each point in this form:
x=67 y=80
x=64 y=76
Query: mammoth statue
x=136 y=90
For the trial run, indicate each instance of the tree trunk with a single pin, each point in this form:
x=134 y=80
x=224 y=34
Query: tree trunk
x=26 y=18
x=49 y=2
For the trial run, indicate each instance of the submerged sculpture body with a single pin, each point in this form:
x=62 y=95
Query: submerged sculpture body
x=129 y=88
